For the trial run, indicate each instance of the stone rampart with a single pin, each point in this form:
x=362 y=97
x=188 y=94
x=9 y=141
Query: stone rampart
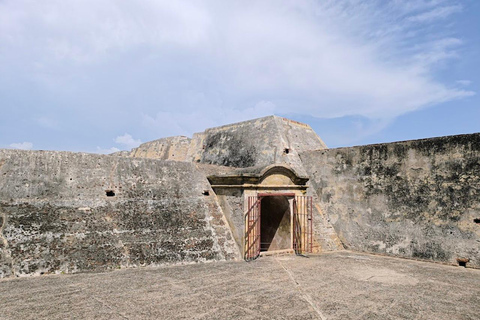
x=69 y=212
x=416 y=199
x=258 y=142
x=171 y=148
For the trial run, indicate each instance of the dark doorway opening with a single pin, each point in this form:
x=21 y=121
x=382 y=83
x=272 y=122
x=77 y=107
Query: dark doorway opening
x=278 y=222
x=275 y=224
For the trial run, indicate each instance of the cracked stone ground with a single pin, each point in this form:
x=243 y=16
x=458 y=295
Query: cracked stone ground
x=341 y=285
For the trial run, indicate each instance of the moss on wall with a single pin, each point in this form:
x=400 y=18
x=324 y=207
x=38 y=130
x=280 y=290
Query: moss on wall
x=57 y=217
x=413 y=199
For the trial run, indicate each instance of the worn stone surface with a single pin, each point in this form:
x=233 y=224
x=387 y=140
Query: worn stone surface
x=234 y=186
x=56 y=215
x=325 y=237
x=231 y=202
x=171 y=148
x=416 y=199
x=331 y=286
x=257 y=142
x=66 y=212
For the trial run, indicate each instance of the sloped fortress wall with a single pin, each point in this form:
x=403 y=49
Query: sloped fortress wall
x=258 y=142
x=68 y=212
x=171 y=148
x=416 y=199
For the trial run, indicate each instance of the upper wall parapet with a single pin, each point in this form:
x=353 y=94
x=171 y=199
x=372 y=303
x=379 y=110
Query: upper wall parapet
x=171 y=148
x=258 y=142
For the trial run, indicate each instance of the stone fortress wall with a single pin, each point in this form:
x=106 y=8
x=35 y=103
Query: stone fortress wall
x=414 y=199
x=65 y=212
x=71 y=212
x=258 y=142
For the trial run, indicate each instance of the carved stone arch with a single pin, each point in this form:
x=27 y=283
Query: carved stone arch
x=280 y=174
x=275 y=216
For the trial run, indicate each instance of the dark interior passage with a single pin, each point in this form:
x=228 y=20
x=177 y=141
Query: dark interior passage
x=275 y=233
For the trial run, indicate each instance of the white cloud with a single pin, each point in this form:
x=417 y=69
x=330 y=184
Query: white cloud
x=436 y=13
x=22 y=145
x=127 y=141
x=437 y=51
x=194 y=64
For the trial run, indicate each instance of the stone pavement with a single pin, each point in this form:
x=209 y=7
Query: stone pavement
x=340 y=285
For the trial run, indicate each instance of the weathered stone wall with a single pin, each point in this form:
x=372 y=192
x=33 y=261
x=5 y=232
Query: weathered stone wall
x=55 y=215
x=171 y=148
x=258 y=142
x=325 y=237
x=231 y=202
x=232 y=199
x=417 y=199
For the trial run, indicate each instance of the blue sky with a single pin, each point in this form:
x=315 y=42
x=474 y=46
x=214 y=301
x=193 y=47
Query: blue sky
x=102 y=76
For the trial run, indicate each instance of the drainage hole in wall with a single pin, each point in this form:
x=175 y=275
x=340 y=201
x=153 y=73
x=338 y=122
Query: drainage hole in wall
x=110 y=193
x=462 y=262
x=477 y=220
x=286 y=151
x=206 y=193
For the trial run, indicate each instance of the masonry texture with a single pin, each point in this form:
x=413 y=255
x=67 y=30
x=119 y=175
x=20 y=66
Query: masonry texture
x=416 y=199
x=68 y=212
x=258 y=142
x=183 y=200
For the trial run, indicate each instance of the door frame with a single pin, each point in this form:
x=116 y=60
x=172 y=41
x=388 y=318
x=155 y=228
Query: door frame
x=301 y=223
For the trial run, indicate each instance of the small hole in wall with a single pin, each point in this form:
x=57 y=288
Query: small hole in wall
x=206 y=193
x=462 y=262
x=477 y=220
x=286 y=151
x=110 y=193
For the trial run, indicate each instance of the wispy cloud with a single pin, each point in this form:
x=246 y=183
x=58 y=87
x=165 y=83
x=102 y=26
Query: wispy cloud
x=177 y=67
x=127 y=141
x=436 y=14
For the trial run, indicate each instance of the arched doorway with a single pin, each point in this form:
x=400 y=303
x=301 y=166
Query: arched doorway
x=267 y=209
